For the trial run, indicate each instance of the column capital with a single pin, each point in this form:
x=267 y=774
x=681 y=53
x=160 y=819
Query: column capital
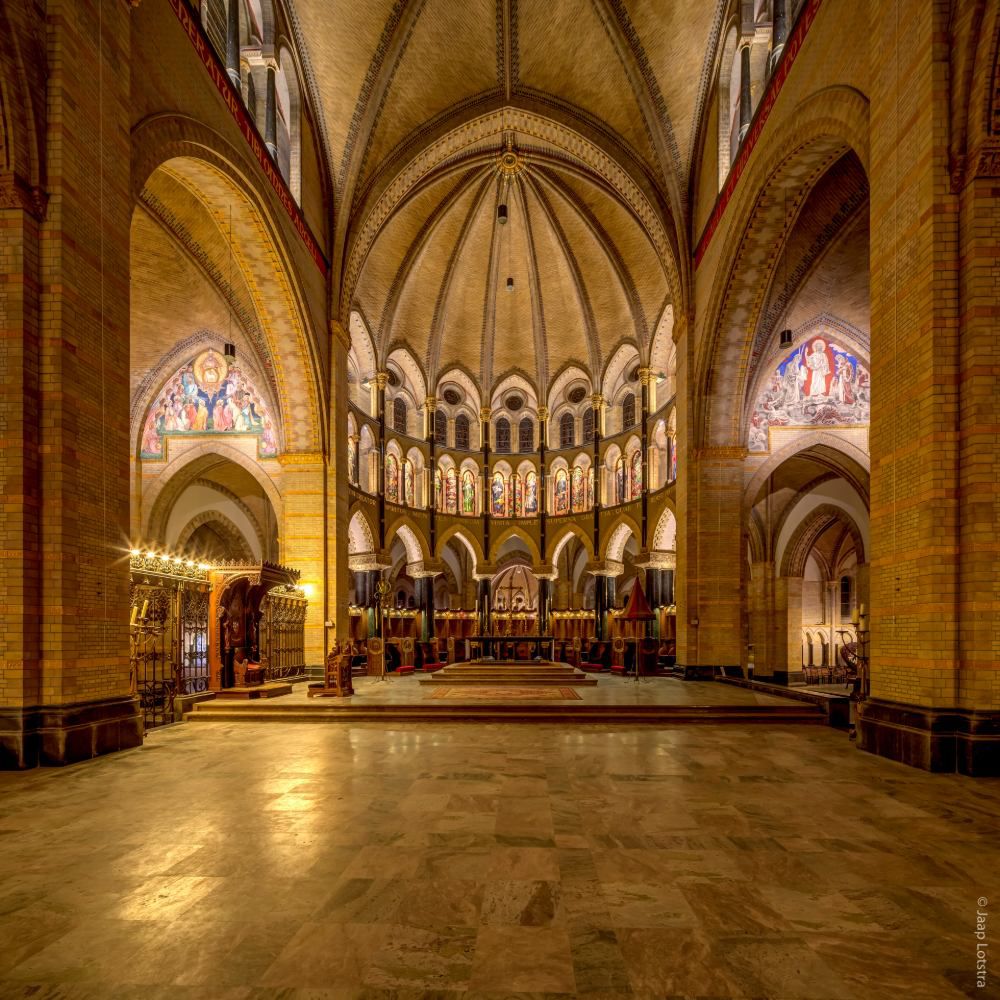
x=543 y=413
x=656 y=559
x=485 y=413
x=430 y=403
x=381 y=379
x=645 y=374
x=597 y=401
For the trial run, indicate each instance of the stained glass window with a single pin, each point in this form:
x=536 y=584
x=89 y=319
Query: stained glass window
x=498 y=495
x=635 y=475
x=673 y=458
x=440 y=428
x=391 y=479
x=567 y=435
x=588 y=425
x=408 y=483
x=399 y=415
x=628 y=411
x=461 y=431
x=503 y=436
x=562 y=492
x=620 y=481
x=451 y=492
x=590 y=488
x=516 y=495
x=468 y=493
x=531 y=493
x=577 y=498
x=525 y=435
x=437 y=489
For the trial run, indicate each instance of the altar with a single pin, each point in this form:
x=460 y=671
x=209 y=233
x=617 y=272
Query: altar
x=510 y=647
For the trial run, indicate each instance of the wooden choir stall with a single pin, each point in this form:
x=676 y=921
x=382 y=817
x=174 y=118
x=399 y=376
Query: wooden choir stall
x=257 y=619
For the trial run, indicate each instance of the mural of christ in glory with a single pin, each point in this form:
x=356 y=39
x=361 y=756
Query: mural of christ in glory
x=817 y=370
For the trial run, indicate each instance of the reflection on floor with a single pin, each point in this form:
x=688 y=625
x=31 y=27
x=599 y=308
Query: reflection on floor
x=280 y=861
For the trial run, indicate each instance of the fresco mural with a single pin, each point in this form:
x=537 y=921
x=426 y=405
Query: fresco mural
x=620 y=481
x=451 y=492
x=818 y=384
x=408 y=483
x=635 y=476
x=517 y=495
x=437 y=488
x=391 y=479
x=577 y=489
x=208 y=396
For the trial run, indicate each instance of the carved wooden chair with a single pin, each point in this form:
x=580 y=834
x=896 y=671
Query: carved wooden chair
x=407 y=653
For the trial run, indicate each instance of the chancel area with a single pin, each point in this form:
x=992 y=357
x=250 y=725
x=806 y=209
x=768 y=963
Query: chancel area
x=508 y=488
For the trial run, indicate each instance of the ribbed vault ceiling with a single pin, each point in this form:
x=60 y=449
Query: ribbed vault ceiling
x=603 y=97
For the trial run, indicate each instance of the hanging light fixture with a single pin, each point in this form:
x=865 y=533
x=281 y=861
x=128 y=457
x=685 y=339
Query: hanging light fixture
x=510 y=284
x=502 y=214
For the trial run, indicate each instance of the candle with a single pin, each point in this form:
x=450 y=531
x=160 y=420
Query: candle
x=145 y=608
x=135 y=611
x=864 y=610
x=854 y=617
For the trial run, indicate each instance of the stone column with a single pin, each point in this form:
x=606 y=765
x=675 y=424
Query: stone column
x=779 y=33
x=64 y=404
x=935 y=484
x=645 y=379
x=543 y=440
x=305 y=480
x=271 y=115
x=233 y=44
x=430 y=408
x=337 y=495
x=746 y=99
x=378 y=404
x=486 y=492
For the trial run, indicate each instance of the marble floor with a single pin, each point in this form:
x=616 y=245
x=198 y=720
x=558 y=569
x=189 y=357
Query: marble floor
x=288 y=861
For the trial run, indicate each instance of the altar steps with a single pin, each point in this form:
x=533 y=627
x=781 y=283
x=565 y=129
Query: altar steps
x=520 y=673
x=349 y=711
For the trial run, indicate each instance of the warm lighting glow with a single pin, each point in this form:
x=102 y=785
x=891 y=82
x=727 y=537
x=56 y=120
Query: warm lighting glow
x=204 y=566
x=190 y=564
x=150 y=554
x=308 y=589
x=136 y=552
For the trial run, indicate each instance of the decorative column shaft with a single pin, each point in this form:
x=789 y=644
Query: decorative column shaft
x=425 y=598
x=543 y=436
x=746 y=101
x=779 y=32
x=271 y=115
x=233 y=43
x=430 y=408
x=600 y=605
x=544 y=604
x=597 y=402
x=483 y=604
x=645 y=377
x=381 y=381
x=484 y=431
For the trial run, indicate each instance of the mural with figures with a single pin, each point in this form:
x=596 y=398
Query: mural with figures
x=208 y=396
x=818 y=384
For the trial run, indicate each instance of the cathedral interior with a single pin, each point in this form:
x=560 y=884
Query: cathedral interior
x=499 y=498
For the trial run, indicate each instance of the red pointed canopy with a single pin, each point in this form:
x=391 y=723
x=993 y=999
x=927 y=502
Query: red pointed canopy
x=638 y=607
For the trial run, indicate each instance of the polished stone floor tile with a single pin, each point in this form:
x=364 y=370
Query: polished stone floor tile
x=284 y=862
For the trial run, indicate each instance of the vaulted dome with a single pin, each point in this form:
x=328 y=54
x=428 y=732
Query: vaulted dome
x=566 y=277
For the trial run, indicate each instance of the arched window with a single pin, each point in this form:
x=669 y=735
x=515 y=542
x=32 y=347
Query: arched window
x=577 y=491
x=503 y=436
x=561 y=492
x=440 y=429
x=525 y=435
x=399 y=415
x=451 y=492
x=214 y=16
x=408 y=483
x=590 y=488
x=531 y=493
x=468 y=492
x=498 y=495
x=438 y=493
x=462 y=431
x=673 y=459
x=567 y=432
x=846 y=605
x=588 y=425
x=628 y=411
x=635 y=475
x=391 y=479
x=620 y=481
x=516 y=496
